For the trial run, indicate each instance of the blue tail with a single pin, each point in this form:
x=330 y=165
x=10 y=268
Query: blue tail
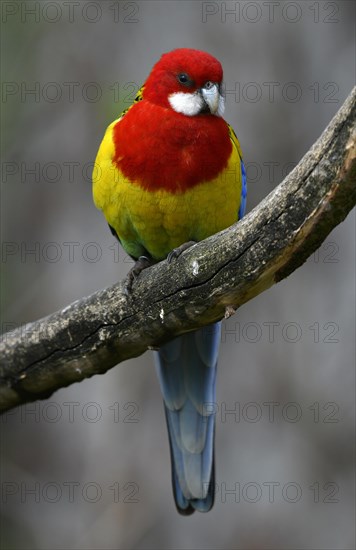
x=186 y=369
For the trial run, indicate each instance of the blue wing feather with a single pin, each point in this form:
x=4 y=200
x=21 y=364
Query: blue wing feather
x=243 y=191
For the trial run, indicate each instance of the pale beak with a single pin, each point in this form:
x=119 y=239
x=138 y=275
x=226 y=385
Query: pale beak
x=213 y=98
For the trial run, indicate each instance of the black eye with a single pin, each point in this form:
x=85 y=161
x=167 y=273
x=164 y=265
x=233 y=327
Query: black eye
x=183 y=78
x=209 y=85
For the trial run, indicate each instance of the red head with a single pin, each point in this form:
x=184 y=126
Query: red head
x=187 y=81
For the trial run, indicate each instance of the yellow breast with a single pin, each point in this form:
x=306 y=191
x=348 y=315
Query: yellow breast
x=156 y=222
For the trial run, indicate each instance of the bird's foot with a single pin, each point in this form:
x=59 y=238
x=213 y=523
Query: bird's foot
x=142 y=263
x=176 y=252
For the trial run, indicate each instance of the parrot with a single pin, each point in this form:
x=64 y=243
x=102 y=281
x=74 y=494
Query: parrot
x=169 y=173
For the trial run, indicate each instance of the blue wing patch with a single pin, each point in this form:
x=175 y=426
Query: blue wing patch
x=243 y=191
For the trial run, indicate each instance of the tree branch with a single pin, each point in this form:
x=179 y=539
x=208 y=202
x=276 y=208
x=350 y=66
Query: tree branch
x=208 y=282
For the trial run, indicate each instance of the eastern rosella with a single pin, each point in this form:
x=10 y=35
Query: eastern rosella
x=169 y=171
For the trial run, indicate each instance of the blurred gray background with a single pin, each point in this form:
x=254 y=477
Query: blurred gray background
x=90 y=467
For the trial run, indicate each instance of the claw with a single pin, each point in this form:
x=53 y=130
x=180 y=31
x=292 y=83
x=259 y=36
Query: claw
x=142 y=263
x=176 y=252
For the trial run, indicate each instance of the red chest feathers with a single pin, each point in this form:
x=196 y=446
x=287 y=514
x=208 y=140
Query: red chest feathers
x=158 y=148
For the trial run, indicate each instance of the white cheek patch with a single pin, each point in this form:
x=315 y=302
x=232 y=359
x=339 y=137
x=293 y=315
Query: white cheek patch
x=187 y=104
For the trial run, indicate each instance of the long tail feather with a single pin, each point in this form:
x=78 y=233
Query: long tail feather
x=186 y=369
